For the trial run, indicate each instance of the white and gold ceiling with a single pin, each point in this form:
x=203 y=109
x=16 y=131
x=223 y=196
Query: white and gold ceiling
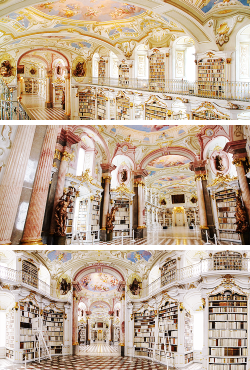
x=83 y=27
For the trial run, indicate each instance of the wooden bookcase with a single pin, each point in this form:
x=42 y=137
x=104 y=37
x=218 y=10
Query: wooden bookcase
x=29 y=274
x=122 y=108
x=123 y=73
x=227 y=260
x=188 y=337
x=28 y=311
x=168 y=272
x=10 y=334
x=156 y=71
x=87 y=101
x=227 y=330
x=211 y=77
x=144 y=333
x=122 y=218
x=226 y=209
x=168 y=332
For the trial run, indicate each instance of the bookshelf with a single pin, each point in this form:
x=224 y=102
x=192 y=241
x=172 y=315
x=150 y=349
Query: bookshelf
x=88 y=217
x=155 y=109
x=157 y=71
x=58 y=95
x=53 y=325
x=112 y=109
x=82 y=334
x=188 y=337
x=95 y=213
x=87 y=103
x=101 y=107
x=227 y=331
x=144 y=333
x=35 y=87
x=139 y=111
x=208 y=114
x=70 y=213
x=10 y=334
x=226 y=209
x=82 y=216
x=168 y=332
x=122 y=108
x=28 y=311
x=122 y=218
x=29 y=274
x=211 y=77
x=227 y=260
x=101 y=70
x=123 y=74
x=168 y=272
x=28 y=86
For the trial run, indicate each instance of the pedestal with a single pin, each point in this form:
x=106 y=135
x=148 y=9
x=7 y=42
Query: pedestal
x=122 y=351
x=75 y=349
x=59 y=240
x=103 y=235
x=109 y=237
x=141 y=233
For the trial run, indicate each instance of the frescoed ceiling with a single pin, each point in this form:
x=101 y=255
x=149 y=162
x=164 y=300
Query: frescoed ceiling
x=149 y=128
x=90 y=10
x=99 y=282
x=169 y=161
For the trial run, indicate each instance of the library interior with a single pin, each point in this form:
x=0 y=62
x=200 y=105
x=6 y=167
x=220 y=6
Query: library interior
x=124 y=184
x=127 y=310
x=108 y=60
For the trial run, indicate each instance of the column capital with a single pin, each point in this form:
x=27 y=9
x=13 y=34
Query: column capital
x=68 y=138
x=107 y=167
x=140 y=173
x=237 y=148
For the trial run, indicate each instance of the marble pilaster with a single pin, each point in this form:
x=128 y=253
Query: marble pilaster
x=13 y=178
x=201 y=202
x=67 y=95
x=35 y=216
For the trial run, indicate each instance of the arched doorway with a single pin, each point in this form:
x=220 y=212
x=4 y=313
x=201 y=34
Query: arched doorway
x=99 y=312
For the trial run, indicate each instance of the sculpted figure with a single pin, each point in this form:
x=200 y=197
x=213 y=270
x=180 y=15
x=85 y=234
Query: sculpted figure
x=135 y=287
x=111 y=219
x=241 y=217
x=219 y=163
x=80 y=70
x=61 y=213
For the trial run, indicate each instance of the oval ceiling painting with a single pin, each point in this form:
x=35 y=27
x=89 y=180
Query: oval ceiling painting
x=150 y=128
x=169 y=161
x=90 y=10
x=99 y=282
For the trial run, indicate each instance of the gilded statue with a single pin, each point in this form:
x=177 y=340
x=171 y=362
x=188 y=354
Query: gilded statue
x=219 y=163
x=241 y=217
x=6 y=69
x=61 y=213
x=80 y=70
x=111 y=220
x=135 y=287
x=124 y=175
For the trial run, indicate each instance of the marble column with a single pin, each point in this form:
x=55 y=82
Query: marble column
x=122 y=325
x=75 y=344
x=88 y=336
x=49 y=95
x=67 y=94
x=238 y=162
x=111 y=327
x=139 y=204
x=35 y=216
x=13 y=178
x=106 y=179
x=65 y=158
x=201 y=203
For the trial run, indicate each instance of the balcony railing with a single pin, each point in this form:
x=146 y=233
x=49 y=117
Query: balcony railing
x=205 y=89
x=20 y=277
x=13 y=110
x=194 y=271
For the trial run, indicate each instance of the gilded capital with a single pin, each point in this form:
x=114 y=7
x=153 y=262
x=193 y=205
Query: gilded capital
x=238 y=162
x=67 y=156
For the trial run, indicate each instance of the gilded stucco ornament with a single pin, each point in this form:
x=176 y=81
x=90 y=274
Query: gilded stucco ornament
x=224 y=29
x=241 y=217
x=61 y=213
x=7 y=68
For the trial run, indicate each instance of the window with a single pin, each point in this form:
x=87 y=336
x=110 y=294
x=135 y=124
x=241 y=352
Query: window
x=179 y=63
x=141 y=66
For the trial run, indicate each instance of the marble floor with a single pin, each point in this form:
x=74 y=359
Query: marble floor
x=36 y=107
x=99 y=349
x=92 y=363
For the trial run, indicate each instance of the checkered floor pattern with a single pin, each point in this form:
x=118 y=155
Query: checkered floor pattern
x=99 y=350
x=95 y=363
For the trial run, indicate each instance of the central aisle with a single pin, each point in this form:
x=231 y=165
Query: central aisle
x=35 y=105
x=99 y=349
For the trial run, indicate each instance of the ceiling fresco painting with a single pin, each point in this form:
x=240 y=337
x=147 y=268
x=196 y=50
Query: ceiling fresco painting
x=99 y=282
x=59 y=256
x=90 y=10
x=137 y=256
x=169 y=161
x=150 y=128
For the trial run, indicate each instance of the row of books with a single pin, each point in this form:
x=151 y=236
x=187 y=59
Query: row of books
x=228 y=317
x=228 y=351
x=228 y=325
x=228 y=342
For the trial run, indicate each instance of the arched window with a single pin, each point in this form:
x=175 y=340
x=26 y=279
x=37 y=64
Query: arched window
x=183 y=59
x=113 y=65
x=243 y=55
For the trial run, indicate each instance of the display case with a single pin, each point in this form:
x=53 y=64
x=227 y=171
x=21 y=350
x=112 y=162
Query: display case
x=28 y=311
x=82 y=334
x=87 y=102
x=168 y=272
x=228 y=331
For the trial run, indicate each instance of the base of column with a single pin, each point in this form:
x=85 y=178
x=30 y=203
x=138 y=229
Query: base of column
x=48 y=105
x=245 y=238
x=75 y=349
x=66 y=116
x=103 y=235
x=141 y=233
x=203 y=234
x=88 y=342
x=122 y=351
x=32 y=242
x=59 y=240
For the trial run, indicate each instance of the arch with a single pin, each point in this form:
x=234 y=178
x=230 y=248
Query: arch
x=167 y=151
x=38 y=49
x=37 y=57
x=99 y=136
x=100 y=302
x=94 y=268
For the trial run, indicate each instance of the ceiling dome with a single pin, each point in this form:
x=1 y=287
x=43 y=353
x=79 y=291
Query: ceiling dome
x=90 y=10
